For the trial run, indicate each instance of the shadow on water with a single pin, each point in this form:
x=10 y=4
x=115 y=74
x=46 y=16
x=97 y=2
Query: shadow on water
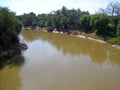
x=9 y=73
x=16 y=61
x=98 y=52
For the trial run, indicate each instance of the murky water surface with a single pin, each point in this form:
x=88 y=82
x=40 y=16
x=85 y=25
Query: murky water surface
x=61 y=62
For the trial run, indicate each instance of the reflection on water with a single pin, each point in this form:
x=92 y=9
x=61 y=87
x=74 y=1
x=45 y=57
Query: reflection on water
x=9 y=73
x=75 y=46
x=13 y=62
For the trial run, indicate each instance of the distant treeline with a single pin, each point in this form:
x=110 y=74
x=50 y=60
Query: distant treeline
x=105 y=23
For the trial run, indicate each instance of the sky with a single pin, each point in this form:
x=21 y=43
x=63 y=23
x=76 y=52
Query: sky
x=46 y=6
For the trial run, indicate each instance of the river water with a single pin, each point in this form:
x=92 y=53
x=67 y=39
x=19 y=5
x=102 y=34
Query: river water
x=61 y=62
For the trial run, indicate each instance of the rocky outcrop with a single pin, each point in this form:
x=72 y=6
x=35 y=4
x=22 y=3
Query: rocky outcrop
x=22 y=44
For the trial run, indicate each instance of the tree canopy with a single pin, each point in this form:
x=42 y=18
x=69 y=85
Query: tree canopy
x=104 y=24
x=10 y=27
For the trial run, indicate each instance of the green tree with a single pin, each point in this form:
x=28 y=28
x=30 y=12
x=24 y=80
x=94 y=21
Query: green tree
x=112 y=29
x=118 y=30
x=29 y=19
x=100 y=23
x=41 y=23
x=85 y=22
x=10 y=27
x=64 y=10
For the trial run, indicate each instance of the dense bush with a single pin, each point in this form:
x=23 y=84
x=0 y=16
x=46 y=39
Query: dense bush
x=10 y=27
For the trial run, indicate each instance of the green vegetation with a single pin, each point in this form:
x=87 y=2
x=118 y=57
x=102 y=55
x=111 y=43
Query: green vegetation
x=118 y=30
x=10 y=27
x=84 y=22
x=28 y=19
x=114 y=40
x=105 y=24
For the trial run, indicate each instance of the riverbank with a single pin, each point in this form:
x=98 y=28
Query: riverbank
x=7 y=54
x=98 y=40
x=88 y=36
x=80 y=34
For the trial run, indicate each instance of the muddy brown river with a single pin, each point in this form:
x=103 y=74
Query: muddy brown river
x=61 y=62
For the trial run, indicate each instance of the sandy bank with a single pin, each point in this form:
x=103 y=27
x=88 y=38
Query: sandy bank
x=90 y=38
x=97 y=40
